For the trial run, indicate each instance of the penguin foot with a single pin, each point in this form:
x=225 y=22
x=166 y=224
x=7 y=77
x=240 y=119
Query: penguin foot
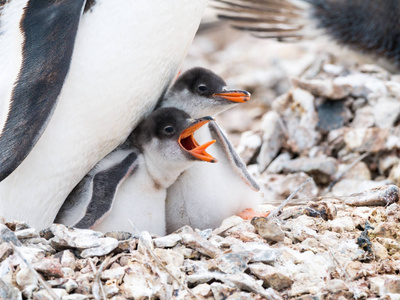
x=249 y=214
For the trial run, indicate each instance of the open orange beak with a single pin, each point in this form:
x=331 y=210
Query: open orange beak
x=237 y=96
x=189 y=144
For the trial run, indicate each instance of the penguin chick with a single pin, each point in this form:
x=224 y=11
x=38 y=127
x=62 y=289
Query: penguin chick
x=368 y=26
x=131 y=182
x=206 y=194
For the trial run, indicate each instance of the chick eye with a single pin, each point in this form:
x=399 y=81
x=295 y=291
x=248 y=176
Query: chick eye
x=169 y=129
x=202 y=88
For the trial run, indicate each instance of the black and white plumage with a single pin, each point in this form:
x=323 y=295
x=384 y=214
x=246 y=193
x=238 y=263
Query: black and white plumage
x=76 y=77
x=131 y=182
x=205 y=194
x=369 y=26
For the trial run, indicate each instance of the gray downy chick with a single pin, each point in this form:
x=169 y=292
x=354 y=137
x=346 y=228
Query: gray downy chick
x=131 y=182
x=205 y=194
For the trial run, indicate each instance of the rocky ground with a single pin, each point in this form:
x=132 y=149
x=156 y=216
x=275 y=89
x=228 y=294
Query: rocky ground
x=315 y=114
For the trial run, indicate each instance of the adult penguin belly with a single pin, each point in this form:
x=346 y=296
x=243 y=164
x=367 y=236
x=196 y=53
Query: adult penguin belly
x=126 y=53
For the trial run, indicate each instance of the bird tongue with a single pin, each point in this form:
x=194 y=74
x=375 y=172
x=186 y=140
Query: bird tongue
x=189 y=143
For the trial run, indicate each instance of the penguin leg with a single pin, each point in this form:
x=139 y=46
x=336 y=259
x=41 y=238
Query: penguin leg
x=49 y=29
x=250 y=213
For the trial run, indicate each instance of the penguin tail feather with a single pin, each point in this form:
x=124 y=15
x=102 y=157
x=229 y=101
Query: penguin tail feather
x=283 y=20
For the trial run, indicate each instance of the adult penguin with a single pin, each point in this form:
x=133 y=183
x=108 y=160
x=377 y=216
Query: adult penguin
x=367 y=26
x=75 y=79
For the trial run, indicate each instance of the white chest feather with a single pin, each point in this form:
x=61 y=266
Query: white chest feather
x=139 y=200
x=205 y=194
x=126 y=54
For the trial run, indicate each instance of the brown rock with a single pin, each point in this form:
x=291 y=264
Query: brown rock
x=49 y=266
x=268 y=229
x=271 y=276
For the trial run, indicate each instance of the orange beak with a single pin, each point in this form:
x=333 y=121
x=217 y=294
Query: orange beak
x=189 y=144
x=237 y=96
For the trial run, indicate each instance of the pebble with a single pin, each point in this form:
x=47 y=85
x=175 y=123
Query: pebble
x=342 y=224
x=25 y=277
x=272 y=139
x=74 y=238
x=7 y=236
x=168 y=241
x=106 y=245
x=268 y=229
x=27 y=233
x=271 y=276
x=68 y=259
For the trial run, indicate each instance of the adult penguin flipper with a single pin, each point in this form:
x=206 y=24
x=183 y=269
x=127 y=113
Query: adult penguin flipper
x=48 y=29
x=234 y=159
x=93 y=197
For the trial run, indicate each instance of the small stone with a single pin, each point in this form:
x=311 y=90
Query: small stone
x=193 y=240
x=230 y=263
x=336 y=286
x=8 y=291
x=342 y=224
x=332 y=115
x=323 y=209
x=379 y=251
x=394 y=174
x=27 y=233
x=221 y=291
x=205 y=234
x=25 y=277
x=271 y=276
x=119 y=235
x=68 y=260
x=21 y=226
x=75 y=297
x=360 y=171
x=106 y=246
x=29 y=290
x=364 y=117
x=44 y=294
x=250 y=142
x=111 y=290
x=135 y=283
x=114 y=273
x=322 y=169
x=302 y=233
x=145 y=242
x=384 y=195
x=258 y=252
x=74 y=238
x=67 y=272
x=386 y=112
x=48 y=266
x=353 y=269
x=392 y=284
x=268 y=229
x=7 y=236
x=203 y=290
x=56 y=282
x=168 y=241
x=272 y=140
x=5 y=251
x=330 y=89
x=170 y=257
x=377 y=285
x=70 y=286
